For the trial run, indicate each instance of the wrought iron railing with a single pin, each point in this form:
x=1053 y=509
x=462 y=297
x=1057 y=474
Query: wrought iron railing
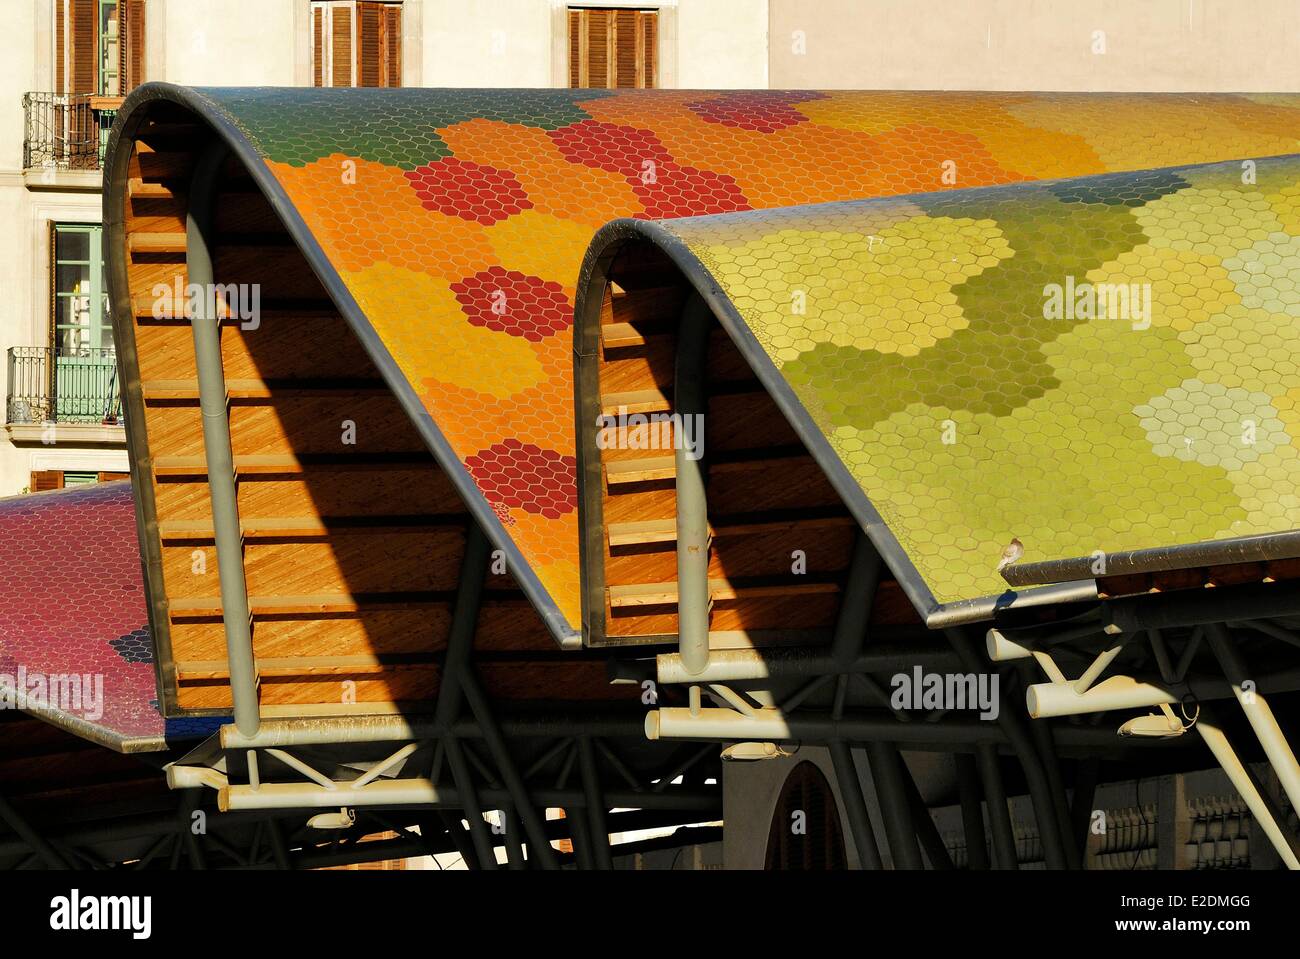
x=66 y=131
x=48 y=387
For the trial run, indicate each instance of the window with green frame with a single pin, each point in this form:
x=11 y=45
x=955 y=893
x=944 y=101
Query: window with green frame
x=83 y=378
x=81 y=321
x=99 y=46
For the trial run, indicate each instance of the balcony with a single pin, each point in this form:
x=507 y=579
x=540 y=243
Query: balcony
x=79 y=392
x=64 y=137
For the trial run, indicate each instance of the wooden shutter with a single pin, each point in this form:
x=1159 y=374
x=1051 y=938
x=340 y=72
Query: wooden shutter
x=598 y=36
x=317 y=46
x=60 y=42
x=341 y=46
x=43 y=480
x=626 y=50
x=577 y=50
x=130 y=45
x=75 y=42
x=110 y=477
x=370 y=18
x=613 y=48
x=648 y=45
x=391 y=46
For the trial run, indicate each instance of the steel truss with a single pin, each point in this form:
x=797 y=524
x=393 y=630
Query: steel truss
x=837 y=699
x=460 y=757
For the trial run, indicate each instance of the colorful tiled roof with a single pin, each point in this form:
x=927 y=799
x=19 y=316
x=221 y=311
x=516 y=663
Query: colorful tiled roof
x=73 y=605
x=1097 y=364
x=457 y=220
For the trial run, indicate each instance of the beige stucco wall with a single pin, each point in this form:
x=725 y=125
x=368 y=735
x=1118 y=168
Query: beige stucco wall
x=488 y=43
x=722 y=44
x=230 y=43
x=1159 y=45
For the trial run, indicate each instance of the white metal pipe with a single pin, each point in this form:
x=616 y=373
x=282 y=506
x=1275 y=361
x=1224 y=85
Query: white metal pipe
x=297 y=764
x=1003 y=650
x=1258 y=805
x=1258 y=712
x=743 y=665
x=772 y=725
x=377 y=770
x=395 y=792
x=1045 y=700
x=1104 y=659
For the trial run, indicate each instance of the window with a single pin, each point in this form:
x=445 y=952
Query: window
x=98 y=46
x=613 y=47
x=81 y=330
x=80 y=321
x=356 y=43
x=43 y=480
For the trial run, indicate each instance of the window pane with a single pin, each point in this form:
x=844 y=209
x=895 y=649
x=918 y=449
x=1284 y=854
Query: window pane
x=72 y=245
x=72 y=278
x=108 y=51
x=106 y=324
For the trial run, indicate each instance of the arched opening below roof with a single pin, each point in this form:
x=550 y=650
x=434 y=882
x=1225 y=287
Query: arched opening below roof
x=806 y=834
x=781 y=537
x=352 y=534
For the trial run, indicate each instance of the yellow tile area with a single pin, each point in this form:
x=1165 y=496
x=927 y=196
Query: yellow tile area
x=1158 y=406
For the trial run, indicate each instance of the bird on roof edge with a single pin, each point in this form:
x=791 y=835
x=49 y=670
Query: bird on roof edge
x=1015 y=549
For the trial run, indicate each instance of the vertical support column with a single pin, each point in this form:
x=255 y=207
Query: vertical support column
x=464 y=624
x=227 y=534
x=1086 y=773
x=1173 y=825
x=972 y=814
x=855 y=805
x=859 y=596
x=484 y=848
x=1040 y=791
x=690 y=400
x=460 y=641
x=995 y=796
x=539 y=847
x=1041 y=733
x=597 y=826
x=887 y=774
x=926 y=831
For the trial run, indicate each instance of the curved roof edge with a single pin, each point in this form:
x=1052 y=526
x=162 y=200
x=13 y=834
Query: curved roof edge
x=117 y=154
x=936 y=615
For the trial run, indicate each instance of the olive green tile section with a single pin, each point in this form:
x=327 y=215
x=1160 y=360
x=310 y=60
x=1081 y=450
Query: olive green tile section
x=393 y=126
x=1100 y=364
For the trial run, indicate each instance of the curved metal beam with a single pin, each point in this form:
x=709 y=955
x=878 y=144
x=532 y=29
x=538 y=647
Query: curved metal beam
x=200 y=236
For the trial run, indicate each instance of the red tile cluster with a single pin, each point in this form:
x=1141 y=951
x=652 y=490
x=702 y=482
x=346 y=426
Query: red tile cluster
x=512 y=302
x=526 y=476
